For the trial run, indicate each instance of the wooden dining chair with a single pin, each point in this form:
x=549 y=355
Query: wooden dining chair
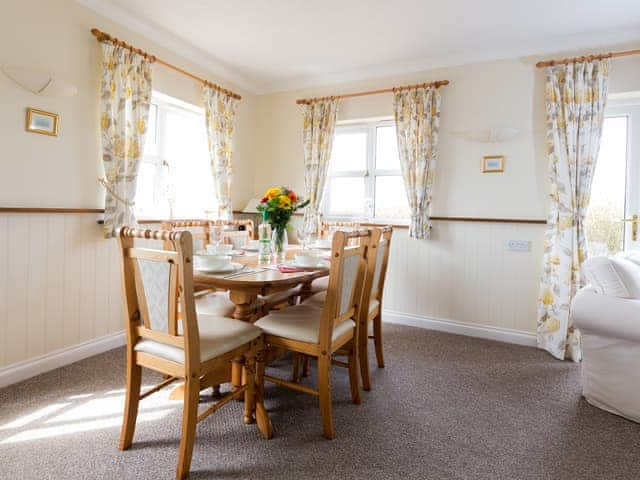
x=208 y=301
x=377 y=262
x=327 y=226
x=236 y=226
x=165 y=334
x=319 y=333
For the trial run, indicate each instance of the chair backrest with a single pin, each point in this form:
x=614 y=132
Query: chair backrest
x=346 y=280
x=158 y=290
x=327 y=227
x=378 y=262
x=200 y=230
x=245 y=224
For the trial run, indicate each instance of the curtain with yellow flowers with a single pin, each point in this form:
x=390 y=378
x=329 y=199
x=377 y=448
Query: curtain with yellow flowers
x=125 y=97
x=319 y=123
x=417 y=117
x=220 y=112
x=575 y=95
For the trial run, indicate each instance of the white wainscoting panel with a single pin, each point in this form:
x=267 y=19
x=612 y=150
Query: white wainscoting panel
x=59 y=285
x=60 y=297
x=466 y=275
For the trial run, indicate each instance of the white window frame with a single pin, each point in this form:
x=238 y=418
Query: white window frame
x=370 y=173
x=163 y=104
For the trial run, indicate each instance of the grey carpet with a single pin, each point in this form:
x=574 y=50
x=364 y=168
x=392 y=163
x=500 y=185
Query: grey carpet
x=446 y=407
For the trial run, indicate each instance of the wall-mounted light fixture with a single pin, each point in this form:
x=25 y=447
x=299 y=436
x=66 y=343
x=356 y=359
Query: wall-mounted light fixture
x=39 y=82
x=491 y=135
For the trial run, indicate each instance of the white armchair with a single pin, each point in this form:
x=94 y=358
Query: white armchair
x=607 y=312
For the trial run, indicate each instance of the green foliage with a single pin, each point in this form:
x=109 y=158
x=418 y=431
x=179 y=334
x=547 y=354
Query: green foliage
x=603 y=227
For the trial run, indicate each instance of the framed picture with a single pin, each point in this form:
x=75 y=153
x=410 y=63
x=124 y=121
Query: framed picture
x=39 y=121
x=492 y=164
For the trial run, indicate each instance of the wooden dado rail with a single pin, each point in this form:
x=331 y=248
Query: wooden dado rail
x=50 y=210
x=529 y=221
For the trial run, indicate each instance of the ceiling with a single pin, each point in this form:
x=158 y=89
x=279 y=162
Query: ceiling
x=266 y=46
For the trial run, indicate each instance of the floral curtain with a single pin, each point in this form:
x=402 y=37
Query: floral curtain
x=576 y=95
x=319 y=125
x=220 y=113
x=125 y=97
x=417 y=117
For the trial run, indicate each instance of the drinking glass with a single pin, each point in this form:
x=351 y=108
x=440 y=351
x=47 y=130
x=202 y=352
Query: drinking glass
x=304 y=235
x=215 y=236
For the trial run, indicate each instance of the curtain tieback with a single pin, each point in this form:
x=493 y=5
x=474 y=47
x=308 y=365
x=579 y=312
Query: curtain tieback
x=109 y=188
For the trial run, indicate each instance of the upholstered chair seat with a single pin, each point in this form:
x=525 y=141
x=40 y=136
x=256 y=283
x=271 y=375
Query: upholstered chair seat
x=281 y=297
x=320 y=285
x=218 y=335
x=217 y=304
x=300 y=322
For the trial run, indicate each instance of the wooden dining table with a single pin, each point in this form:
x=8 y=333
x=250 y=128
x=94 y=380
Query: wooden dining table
x=254 y=280
x=247 y=285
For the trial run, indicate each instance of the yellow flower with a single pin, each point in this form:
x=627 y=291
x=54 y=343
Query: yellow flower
x=284 y=202
x=118 y=147
x=104 y=121
x=547 y=297
x=134 y=150
x=272 y=192
x=141 y=126
x=552 y=325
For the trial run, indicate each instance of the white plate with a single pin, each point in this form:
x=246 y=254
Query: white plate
x=232 y=267
x=250 y=248
x=322 y=264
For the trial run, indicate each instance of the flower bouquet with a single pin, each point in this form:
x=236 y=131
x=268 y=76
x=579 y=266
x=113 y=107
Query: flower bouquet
x=277 y=205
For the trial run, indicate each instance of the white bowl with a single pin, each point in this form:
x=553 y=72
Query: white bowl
x=211 y=262
x=222 y=249
x=307 y=259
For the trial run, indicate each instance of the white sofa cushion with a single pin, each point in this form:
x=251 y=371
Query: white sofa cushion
x=613 y=276
x=300 y=322
x=218 y=335
x=605 y=315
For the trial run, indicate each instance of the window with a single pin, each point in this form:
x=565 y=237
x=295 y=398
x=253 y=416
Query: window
x=174 y=180
x=364 y=174
x=604 y=230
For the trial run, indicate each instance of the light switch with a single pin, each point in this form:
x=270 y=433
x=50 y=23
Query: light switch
x=519 y=245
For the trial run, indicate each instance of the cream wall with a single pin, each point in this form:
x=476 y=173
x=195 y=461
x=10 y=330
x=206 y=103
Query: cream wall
x=482 y=96
x=59 y=279
x=54 y=35
x=464 y=279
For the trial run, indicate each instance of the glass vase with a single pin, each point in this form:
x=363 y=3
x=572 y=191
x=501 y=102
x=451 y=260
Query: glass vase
x=279 y=242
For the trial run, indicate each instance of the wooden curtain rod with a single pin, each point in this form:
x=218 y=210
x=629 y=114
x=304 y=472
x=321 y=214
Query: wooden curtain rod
x=587 y=58
x=105 y=37
x=439 y=83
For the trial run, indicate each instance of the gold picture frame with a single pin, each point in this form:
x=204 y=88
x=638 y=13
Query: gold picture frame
x=492 y=164
x=44 y=123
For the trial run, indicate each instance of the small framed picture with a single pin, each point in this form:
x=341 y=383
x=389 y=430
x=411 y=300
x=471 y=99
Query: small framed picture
x=492 y=164
x=39 y=121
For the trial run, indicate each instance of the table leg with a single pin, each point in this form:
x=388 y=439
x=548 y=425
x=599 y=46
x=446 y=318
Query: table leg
x=306 y=291
x=245 y=303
